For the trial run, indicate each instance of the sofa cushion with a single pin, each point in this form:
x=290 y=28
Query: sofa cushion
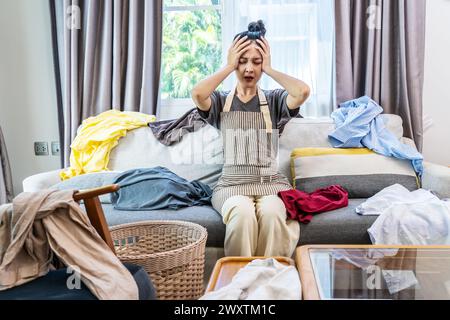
x=198 y=156
x=313 y=133
x=341 y=226
x=202 y=215
x=361 y=171
x=89 y=181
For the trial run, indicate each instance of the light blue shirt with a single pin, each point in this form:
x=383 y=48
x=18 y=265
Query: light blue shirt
x=358 y=126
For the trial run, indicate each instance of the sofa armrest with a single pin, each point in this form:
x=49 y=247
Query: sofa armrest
x=437 y=179
x=41 y=181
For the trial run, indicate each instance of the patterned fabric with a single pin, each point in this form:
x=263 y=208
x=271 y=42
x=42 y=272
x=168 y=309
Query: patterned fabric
x=360 y=171
x=250 y=155
x=279 y=111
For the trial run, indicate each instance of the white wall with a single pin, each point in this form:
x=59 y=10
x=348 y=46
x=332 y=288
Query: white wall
x=27 y=89
x=437 y=82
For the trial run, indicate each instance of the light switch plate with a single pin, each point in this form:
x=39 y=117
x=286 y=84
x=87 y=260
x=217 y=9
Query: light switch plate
x=55 y=148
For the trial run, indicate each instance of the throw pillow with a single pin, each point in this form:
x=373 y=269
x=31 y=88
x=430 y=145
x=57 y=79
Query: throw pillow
x=89 y=181
x=361 y=172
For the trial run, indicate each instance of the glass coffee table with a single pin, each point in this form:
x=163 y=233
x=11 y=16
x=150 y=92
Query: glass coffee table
x=374 y=272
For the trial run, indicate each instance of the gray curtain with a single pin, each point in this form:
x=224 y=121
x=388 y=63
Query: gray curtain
x=385 y=62
x=107 y=55
x=6 y=184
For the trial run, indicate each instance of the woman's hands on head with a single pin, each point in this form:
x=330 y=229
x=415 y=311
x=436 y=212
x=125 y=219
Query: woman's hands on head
x=238 y=47
x=265 y=53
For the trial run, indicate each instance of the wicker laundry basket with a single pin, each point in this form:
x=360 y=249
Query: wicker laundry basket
x=172 y=253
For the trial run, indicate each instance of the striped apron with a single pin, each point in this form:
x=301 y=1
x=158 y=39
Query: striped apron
x=250 y=154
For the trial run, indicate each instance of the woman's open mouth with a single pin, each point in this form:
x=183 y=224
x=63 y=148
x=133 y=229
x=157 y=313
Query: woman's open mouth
x=248 y=78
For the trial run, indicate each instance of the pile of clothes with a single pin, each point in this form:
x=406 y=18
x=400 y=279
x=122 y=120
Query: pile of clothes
x=158 y=188
x=407 y=217
x=261 y=279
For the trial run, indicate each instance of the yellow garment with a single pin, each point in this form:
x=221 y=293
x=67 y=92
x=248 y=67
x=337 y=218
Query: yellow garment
x=97 y=137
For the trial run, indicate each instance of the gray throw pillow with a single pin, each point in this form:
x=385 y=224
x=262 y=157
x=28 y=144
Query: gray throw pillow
x=362 y=172
x=89 y=181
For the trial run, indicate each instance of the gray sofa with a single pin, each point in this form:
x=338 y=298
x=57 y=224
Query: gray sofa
x=198 y=156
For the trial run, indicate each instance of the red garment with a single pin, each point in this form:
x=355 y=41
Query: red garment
x=301 y=205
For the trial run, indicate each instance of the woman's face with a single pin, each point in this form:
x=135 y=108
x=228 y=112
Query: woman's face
x=249 y=69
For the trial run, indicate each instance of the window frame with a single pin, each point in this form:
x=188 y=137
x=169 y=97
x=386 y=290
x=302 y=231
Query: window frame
x=173 y=107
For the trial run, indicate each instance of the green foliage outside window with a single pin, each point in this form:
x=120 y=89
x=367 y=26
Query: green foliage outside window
x=192 y=48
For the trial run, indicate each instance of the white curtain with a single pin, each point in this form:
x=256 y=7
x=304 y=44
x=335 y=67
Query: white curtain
x=301 y=35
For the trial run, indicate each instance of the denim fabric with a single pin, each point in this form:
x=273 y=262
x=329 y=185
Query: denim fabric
x=157 y=188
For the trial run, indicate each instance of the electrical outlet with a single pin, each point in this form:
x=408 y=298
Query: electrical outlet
x=41 y=148
x=55 y=148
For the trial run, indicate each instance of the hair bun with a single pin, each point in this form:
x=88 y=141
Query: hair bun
x=256 y=29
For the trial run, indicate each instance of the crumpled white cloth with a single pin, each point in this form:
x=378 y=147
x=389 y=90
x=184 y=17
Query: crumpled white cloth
x=418 y=223
x=395 y=194
x=363 y=258
x=398 y=280
x=261 y=279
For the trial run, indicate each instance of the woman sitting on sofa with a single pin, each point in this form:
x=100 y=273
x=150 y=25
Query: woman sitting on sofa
x=248 y=117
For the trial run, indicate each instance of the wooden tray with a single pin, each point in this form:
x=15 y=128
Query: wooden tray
x=227 y=267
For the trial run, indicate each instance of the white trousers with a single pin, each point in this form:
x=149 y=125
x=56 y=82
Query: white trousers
x=258 y=226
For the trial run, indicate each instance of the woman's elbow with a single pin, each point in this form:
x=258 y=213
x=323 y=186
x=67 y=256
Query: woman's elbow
x=194 y=93
x=303 y=94
x=306 y=91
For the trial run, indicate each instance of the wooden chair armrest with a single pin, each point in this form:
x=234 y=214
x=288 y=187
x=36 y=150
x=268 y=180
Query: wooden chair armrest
x=92 y=193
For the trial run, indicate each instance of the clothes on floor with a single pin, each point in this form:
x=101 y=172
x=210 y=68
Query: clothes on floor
x=302 y=206
x=96 y=138
x=169 y=132
x=157 y=188
x=421 y=221
x=258 y=226
x=37 y=226
x=358 y=126
x=261 y=279
x=395 y=194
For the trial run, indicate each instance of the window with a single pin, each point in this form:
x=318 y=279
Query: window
x=198 y=33
x=192 y=50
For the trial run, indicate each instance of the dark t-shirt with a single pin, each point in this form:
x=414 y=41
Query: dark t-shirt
x=279 y=111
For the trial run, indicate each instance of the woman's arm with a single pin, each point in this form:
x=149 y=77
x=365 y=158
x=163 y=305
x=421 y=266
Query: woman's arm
x=298 y=91
x=202 y=91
